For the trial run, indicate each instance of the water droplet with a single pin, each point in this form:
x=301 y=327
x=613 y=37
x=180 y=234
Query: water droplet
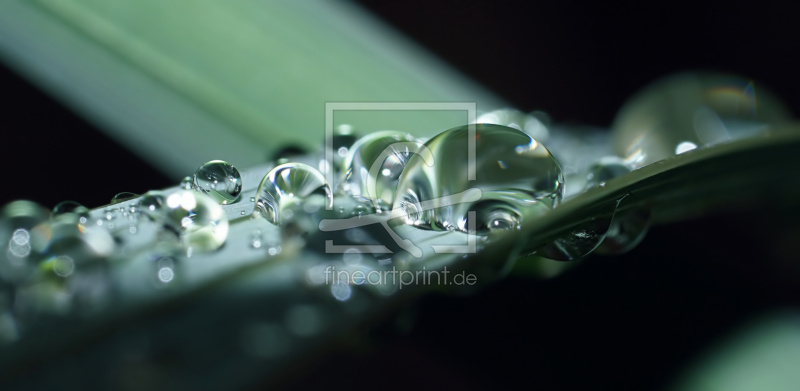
x=152 y=204
x=685 y=146
x=579 y=242
x=341 y=292
x=63 y=266
x=287 y=152
x=626 y=231
x=164 y=270
x=516 y=119
x=220 y=180
x=22 y=214
x=187 y=183
x=605 y=169
x=199 y=221
x=700 y=108
x=439 y=191
x=121 y=197
x=65 y=236
x=21 y=236
x=255 y=240
x=70 y=207
x=289 y=186
x=374 y=164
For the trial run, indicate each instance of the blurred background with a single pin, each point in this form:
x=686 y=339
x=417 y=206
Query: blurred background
x=710 y=303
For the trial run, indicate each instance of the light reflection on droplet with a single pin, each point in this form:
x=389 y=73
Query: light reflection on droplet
x=166 y=275
x=685 y=146
x=341 y=292
x=21 y=236
x=63 y=266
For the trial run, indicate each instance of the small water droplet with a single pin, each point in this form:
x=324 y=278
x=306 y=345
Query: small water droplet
x=288 y=186
x=151 y=204
x=255 y=240
x=341 y=291
x=220 y=180
x=63 y=266
x=123 y=196
x=187 y=183
x=200 y=222
x=582 y=239
x=21 y=236
x=164 y=270
x=605 y=169
x=626 y=231
x=65 y=207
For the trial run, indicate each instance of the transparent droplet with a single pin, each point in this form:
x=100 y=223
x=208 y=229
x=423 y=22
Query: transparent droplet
x=199 y=221
x=530 y=124
x=373 y=165
x=21 y=236
x=698 y=108
x=256 y=240
x=63 y=265
x=22 y=214
x=70 y=207
x=509 y=175
x=187 y=183
x=152 y=204
x=220 y=180
x=579 y=242
x=605 y=169
x=165 y=268
x=626 y=231
x=287 y=187
x=66 y=236
x=121 y=197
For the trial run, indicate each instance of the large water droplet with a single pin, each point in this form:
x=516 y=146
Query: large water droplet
x=220 y=180
x=697 y=108
x=374 y=164
x=499 y=172
x=288 y=187
x=200 y=222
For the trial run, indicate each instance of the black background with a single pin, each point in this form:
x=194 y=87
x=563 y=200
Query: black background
x=625 y=322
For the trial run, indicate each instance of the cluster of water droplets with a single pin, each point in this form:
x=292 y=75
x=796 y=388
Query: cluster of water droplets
x=385 y=200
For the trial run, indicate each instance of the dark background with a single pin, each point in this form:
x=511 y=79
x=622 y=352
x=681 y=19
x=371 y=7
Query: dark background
x=629 y=322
